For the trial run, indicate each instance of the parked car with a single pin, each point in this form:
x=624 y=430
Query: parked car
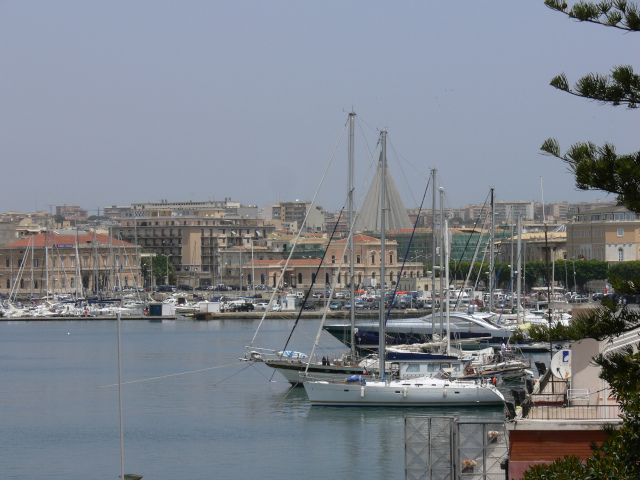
x=261 y=306
x=335 y=306
x=309 y=306
x=240 y=307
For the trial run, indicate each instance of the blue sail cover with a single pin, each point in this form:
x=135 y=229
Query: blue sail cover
x=356 y=379
x=292 y=354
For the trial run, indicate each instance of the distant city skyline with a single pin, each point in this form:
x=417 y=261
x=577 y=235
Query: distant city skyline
x=119 y=103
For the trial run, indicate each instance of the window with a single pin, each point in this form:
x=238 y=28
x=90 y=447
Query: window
x=620 y=255
x=72 y=261
x=391 y=258
x=86 y=261
x=8 y=264
x=35 y=262
x=373 y=259
x=357 y=258
x=333 y=259
x=620 y=232
x=53 y=261
x=126 y=261
x=413 y=367
x=299 y=278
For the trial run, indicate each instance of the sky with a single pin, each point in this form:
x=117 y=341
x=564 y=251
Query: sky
x=113 y=103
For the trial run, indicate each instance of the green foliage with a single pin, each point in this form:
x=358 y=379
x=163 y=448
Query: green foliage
x=600 y=168
x=158 y=265
x=628 y=271
x=618 y=14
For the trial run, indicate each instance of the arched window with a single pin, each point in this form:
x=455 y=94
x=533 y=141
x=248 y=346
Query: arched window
x=391 y=258
x=373 y=259
x=262 y=279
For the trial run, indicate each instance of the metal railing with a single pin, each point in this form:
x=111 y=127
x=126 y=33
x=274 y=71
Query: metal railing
x=574 y=412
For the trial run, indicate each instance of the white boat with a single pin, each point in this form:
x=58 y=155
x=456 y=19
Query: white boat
x=416 y=392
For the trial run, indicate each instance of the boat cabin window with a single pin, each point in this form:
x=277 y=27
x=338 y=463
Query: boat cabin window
x=445 y=365
x=433 y=367
x=413 y=368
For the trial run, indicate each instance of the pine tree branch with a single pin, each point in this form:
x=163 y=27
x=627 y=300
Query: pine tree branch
x=600 y=168
x=619 y=14
x=621 y=87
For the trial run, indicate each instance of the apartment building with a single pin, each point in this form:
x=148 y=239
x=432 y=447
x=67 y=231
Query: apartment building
x=610 y=234
x=68 y=262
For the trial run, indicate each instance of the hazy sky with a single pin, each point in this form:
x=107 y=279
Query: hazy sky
x=110 y=103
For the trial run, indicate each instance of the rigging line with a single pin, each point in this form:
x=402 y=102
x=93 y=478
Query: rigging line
x=404 y=176
x=286 y=265
x=399 y=155
x=406 y=254
x=469 y=239
x=504 y=304
x=171 y=375
x=335 y=227
x=232 y=375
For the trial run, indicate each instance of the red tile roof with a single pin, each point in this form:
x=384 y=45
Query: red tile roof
x=54 y=239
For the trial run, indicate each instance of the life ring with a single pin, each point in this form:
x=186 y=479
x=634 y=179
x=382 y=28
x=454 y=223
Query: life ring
x=494 y=381
x=469 y=369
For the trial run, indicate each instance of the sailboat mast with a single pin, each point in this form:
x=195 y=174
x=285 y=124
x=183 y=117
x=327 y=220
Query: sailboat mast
x=491 y=250
x=446 y=279
x=519 y=274
x=433 y=254
x=352 y=116
x=442 y=285
x=383 y=300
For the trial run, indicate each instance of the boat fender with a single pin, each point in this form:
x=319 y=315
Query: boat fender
x=494 y=381
x=362 y=391
x=404 y=392
x=444 y=392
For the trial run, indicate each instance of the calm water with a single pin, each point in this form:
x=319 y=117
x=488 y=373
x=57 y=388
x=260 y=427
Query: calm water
x=224 y=419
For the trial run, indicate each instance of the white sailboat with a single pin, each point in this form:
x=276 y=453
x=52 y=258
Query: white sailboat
x=414 y=392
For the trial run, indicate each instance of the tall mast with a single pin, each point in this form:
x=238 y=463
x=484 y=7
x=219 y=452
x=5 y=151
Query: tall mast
x=446 y=278
x=519 y=273
x=491 y=251
x=46 y=260
x=383 y=301
x=352 y=116
x=433 y=254
x=32 y=249
x=442 y=285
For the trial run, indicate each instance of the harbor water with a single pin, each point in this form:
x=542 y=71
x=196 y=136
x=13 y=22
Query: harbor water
x=191 y=409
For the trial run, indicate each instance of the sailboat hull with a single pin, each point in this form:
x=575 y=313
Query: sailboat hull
x=420 y=393
x=294 y=371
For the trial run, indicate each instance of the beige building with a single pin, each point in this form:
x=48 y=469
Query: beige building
x=610 y=234
x=301 y=272
x=535 y=247
x=67 y=263
x=193 y=243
